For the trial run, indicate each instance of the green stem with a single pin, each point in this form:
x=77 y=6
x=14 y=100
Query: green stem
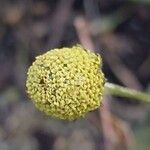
x=117 y=90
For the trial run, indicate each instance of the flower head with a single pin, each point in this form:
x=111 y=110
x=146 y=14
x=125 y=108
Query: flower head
x=66 y=83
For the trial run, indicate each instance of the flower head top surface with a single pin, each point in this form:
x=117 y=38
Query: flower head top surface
x=66 y=83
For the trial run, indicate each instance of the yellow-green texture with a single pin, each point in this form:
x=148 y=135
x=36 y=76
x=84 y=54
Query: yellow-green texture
x=66 y=83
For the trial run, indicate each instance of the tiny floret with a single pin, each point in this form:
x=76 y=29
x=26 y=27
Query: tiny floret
x=66 y=83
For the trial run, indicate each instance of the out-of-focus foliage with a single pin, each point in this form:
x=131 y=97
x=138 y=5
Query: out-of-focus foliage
x=118 y=30
x=142 y=138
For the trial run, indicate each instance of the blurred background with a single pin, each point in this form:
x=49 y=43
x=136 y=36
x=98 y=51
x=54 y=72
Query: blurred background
x=117 y=29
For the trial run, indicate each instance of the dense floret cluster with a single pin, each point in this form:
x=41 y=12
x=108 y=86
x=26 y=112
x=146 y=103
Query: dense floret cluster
x=66 y=83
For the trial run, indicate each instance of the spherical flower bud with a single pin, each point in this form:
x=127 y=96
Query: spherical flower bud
x=66 y=83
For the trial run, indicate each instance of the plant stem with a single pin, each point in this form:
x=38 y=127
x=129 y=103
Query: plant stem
x=117 y=90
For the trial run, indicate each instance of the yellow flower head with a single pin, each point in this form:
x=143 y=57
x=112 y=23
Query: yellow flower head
x=66 y=83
